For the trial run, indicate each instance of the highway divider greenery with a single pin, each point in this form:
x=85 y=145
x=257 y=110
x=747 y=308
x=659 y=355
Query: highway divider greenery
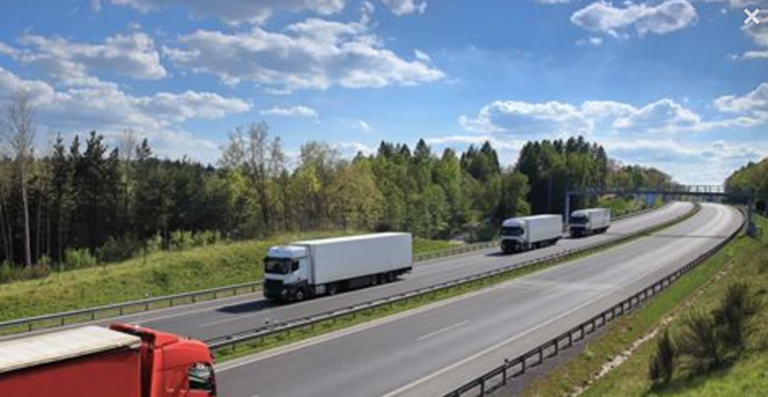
x=226 y=351
x=682 y=312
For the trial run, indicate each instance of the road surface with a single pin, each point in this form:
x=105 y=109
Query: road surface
x=429 y=352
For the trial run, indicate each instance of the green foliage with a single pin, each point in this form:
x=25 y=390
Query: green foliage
x=662 y=364
x=79 y=258
x=700 y=344
x=737 y=306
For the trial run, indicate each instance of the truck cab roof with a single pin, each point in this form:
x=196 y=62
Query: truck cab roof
x=287 y=251
x=58 y=346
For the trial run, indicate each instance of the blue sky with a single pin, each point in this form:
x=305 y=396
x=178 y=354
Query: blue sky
x=677 y=84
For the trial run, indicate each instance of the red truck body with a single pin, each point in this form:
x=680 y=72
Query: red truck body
x=124 y=361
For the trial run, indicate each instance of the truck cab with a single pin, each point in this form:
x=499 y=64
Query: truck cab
x=287 y=273
x=579 y=223
x=513 y=235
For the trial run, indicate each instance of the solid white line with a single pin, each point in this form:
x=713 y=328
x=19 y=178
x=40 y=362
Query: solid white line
x=440 y=331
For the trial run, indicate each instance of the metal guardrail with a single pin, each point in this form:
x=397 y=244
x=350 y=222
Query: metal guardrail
x=119 y=309
x=61 y=319
x=232 y=341
x=511 y=369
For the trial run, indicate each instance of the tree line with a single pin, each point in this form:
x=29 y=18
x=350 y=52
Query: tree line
x=114 y=201
x=751 y=179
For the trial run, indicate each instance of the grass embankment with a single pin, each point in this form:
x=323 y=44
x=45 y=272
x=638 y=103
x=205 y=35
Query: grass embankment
x=323 y=327
x=161 y=273
x=743 y=260
x=620 y=206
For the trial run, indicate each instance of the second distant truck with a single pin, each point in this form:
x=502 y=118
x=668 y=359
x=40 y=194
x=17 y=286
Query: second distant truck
x=589 y=221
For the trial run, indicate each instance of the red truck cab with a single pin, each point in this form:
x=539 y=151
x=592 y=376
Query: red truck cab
x=122 y=361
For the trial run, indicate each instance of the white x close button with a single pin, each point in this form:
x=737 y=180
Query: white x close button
x=751 y=16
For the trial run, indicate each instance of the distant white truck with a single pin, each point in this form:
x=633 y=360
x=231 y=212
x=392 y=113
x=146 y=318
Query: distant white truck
x=305 y=269
x=528 y=232
x=590 y=221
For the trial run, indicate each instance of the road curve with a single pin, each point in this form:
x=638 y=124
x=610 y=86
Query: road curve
x=433 y=351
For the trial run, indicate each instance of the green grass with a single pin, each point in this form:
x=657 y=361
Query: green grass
x=421 y=245
x=746 y=256
x=158 y=274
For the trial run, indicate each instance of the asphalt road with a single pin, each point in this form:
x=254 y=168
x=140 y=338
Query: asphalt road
x=431 y=351
x=207 y=320
x=214 y=319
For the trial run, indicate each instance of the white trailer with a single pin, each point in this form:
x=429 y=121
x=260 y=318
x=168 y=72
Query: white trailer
x=589 y=221
x=522 y=234
x=304 y=269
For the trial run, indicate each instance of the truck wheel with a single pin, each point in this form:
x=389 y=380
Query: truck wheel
x=375 y=279
x=331 y=289
x=391 y=276
x=299 y=295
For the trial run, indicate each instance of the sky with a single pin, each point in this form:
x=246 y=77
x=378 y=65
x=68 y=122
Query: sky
x=681 y=85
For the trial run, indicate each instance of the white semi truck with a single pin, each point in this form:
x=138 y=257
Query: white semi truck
x=528 y=232
x=305 y=269
x=590 y=221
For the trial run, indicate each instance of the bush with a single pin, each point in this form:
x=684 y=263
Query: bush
x=181 y=240
x=662 y=365
x=153 y=244
x=79 y=258
x=733 y=314
x=700 y=343
x=8 y=272
x=119 y=249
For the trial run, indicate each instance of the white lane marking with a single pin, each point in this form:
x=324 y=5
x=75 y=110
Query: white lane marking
x=441 y=331
x=518 y=336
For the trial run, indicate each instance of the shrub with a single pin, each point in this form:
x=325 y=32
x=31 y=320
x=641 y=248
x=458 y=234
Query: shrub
x=662 y=365
x=79 y=258
x=8 y=272
x=181 y=240
x=118 y=249
x=153 y=244
x=733 y=314
x=701 y=343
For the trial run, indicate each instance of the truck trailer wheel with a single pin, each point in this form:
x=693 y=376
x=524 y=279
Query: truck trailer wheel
x=331 y=289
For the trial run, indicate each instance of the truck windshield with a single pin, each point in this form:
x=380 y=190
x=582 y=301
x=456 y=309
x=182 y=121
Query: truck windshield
x=201 y=378
x=579 y=220
x=277 y=265
x=512 y=231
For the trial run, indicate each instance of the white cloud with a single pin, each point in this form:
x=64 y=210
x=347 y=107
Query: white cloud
x=692 y=162
x=314 y=54
x=132 y=55
x=235 y=11
x=350 y=149
x=422 y=56
x=662 y=18
x=753 y=103
x=364 y=126
x=594 y=41
x=552 y=1
x=534 y=120
x=104 y=107
x=293 y=111
x=477 y=140
x=405 y=7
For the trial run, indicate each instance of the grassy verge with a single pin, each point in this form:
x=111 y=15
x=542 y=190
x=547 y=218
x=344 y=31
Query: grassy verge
x=631 y=377
x=317 y=329
x=161 y=273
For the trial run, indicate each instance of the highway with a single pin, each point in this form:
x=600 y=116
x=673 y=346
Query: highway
x=430 y=351
x=217 y=318
x=211 y=319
